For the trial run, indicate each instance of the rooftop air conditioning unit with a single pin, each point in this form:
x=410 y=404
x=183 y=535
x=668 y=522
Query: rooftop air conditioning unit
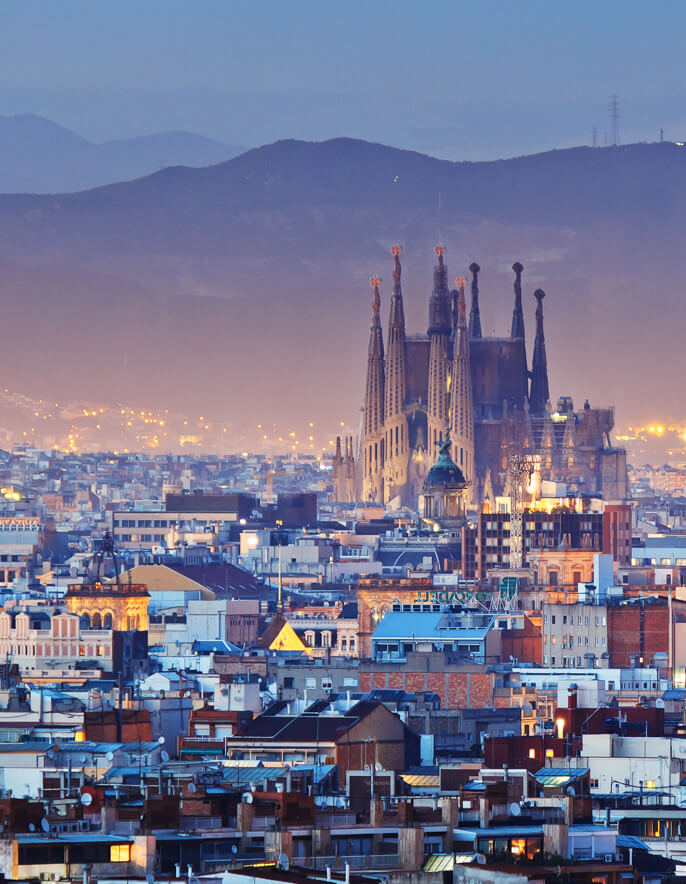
x=609 y=857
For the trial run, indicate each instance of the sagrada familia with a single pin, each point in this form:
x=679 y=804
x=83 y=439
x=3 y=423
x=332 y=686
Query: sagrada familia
x=480 y=390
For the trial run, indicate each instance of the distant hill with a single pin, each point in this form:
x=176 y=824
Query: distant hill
x=39 y=156
x=287 y=235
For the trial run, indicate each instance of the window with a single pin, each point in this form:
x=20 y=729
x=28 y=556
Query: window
x=288 y=683
x=310 y=683
x=82 y=650
x=327 y=684
x=120 y=853
x=552 y=578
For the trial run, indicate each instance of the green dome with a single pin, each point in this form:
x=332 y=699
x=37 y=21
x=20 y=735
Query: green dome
x=445 y=473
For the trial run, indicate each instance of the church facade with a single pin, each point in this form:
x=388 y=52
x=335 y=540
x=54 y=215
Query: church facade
x=478 y=388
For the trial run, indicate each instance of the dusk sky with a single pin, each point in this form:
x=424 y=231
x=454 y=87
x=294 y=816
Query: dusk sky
x=459 y=80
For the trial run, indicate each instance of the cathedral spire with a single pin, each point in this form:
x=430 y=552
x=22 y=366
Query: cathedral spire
x=373 y=414
x=474 y=314
x=540 y=393
x=395 y=359
x=518 y=313
x=461 y=402
x=439 y=305
x=374 y=393
x=438 y=403
x=396 y=436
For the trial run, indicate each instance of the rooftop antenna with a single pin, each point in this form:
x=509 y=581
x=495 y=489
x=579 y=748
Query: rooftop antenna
x=614 y=119
x=279 y=604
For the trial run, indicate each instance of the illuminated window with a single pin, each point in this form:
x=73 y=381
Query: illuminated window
x=79 y=737
x=532 y=753
x=82 y=650
x=99 y=651
x=549 y=753
x=120 y=853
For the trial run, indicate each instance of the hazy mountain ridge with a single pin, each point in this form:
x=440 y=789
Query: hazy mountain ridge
x=39 y=156
x=289 y=234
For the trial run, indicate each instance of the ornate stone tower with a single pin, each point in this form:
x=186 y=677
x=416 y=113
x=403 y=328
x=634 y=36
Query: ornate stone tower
x=396 y=436
x=461 y=399
x=373 y=417
x=540 y=393
x=439 y=360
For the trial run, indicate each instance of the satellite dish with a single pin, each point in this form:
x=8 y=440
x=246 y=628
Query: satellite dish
x=284 y=862
x=379 y=766
x=659 y=703
x=83 y=759
x=86 y=799
x=45 y=825
x=366 y=767
x=164 y=755
x=515 y=809
x=192 y=788
x=109 y=756
x=234 y=849
x=570 y=791
x=161 y=741
x=247 y=798
x=32 y=828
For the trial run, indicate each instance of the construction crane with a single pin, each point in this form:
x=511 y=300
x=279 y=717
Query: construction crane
x=521 y=469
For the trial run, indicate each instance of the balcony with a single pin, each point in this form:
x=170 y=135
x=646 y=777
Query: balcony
x=367 y=862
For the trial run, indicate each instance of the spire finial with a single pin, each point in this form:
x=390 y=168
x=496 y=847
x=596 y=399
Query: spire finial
x=375 y=282
x=460 y=282
x=518 y=313
x=474 y=313
x=439 y=251
x=396 y=251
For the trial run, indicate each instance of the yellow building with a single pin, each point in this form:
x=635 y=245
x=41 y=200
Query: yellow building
x=280 y=636
x=119 y=606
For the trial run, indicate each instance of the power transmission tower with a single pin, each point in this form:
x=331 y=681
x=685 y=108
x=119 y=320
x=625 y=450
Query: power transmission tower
x=595 y=136
x=614 y=119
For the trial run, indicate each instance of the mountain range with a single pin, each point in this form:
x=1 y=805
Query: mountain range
x=243 y=286
x=39 y=156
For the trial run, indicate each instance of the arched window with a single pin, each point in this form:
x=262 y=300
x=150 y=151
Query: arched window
x=96 y=621
x=352 y=646
x=326 y=639
x=107 y=622
x=309 y=638
x=344 y=644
